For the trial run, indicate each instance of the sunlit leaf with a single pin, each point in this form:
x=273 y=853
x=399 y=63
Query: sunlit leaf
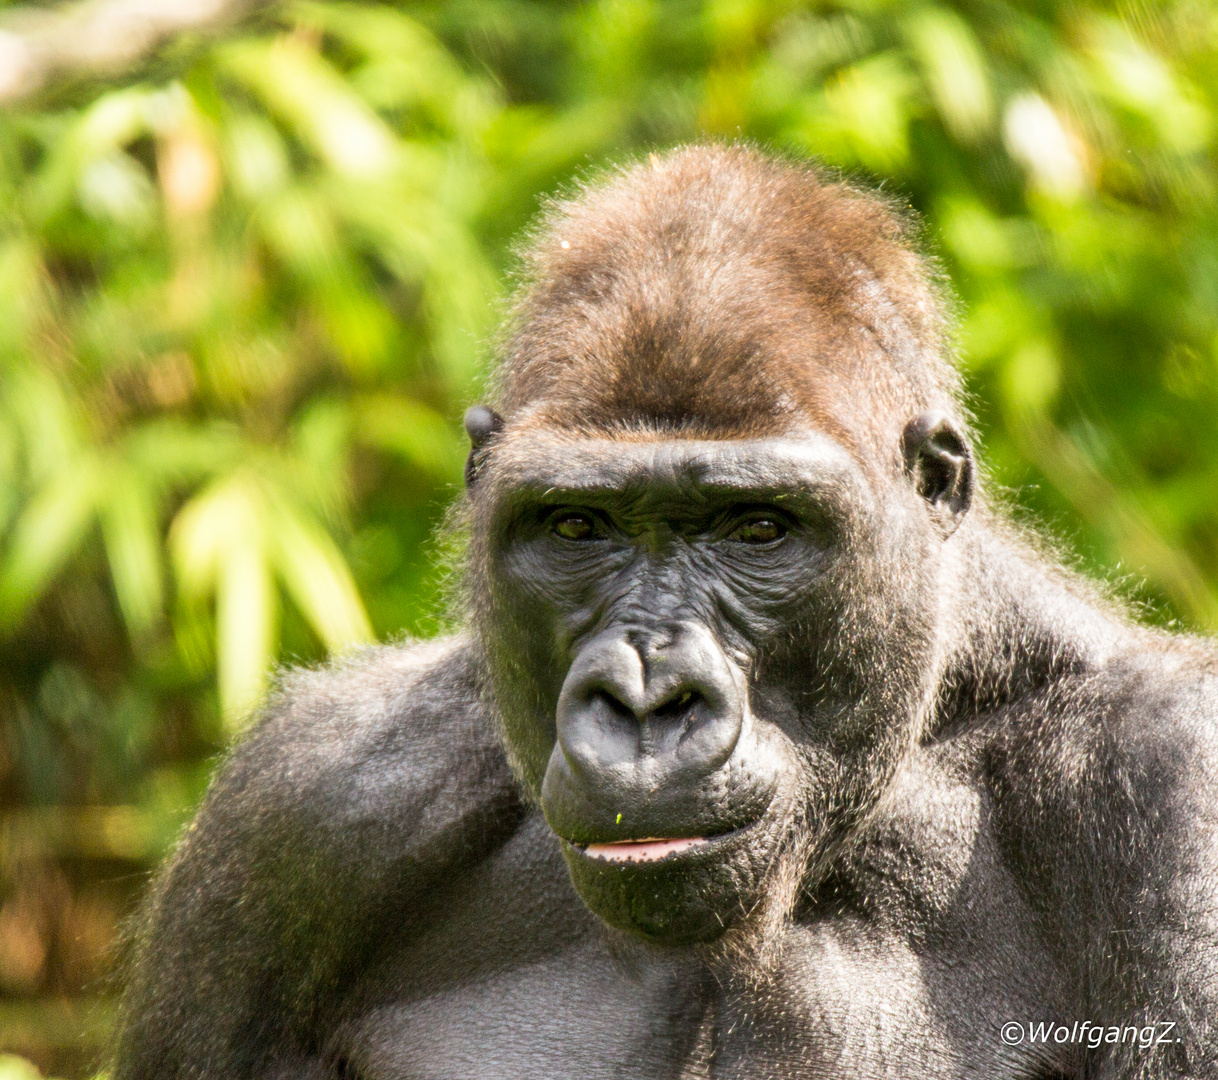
x=169 y=451
x=131 y=532
x=223 y=515
x=37 y=405
x=1032 y=376
x=1136 y=76
x=411 y=430
x=47 y=533
x=300 y=228
x=13 y=1067
x=955 y=69
x=864 y=113
x=322 y=435
x=1037 y=135
x=359 y=327
x=115 y=187
x=256 y=156
x=404 y=64
x=107 y=125
x=220 y=543
x=301 y=87
x=247 y=609
x=23 y=293
x=319 y=581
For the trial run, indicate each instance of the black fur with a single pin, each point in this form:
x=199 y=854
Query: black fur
x=754 y=598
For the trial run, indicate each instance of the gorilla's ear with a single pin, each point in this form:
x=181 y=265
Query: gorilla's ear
x=940 y=462
x=481 y=424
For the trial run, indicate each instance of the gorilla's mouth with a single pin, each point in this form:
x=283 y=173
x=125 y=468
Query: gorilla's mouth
x=646 y=850
x=673 y=889
x=653 y=849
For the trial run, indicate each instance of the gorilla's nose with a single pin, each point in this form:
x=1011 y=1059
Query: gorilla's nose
x=645 y=708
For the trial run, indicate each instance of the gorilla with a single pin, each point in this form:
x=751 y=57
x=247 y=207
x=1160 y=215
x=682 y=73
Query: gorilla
x=767 y=747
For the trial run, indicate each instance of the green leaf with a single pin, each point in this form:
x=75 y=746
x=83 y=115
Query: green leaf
x=411 y=430
x=319 y=581
x=954 y=68
x=23 y=290
x=40 y=407
x=863 y=115
x=205 y=528
x=247 y=610
x=13 y=1067
x=220 y=541
x=47 y=533
x=307 y=92
x=131 y=533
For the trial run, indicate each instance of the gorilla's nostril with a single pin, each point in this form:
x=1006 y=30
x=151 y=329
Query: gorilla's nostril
x=675 y=708
x=615 y=705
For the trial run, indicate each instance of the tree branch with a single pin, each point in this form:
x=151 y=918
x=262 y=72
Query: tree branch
x=97 y=37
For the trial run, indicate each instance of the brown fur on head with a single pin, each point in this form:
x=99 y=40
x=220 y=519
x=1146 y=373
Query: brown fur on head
x=717 y=292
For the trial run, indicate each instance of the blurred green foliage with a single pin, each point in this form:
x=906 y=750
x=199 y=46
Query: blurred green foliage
x=13 y=1067
x=246 y=290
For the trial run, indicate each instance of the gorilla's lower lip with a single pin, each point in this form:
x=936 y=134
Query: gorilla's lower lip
x=648 y=850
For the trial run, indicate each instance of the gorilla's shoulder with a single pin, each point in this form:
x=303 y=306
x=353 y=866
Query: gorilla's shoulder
x=1127 y=749
x=392 y=746
x=363 y=784
x=1162 y=689
x=422 y=697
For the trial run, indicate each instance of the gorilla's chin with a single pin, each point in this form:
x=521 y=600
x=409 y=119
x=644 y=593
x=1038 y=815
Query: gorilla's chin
x=690 y=895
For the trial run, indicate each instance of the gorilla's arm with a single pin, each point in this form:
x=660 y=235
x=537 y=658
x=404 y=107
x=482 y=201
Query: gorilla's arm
x=1110 y=805
x=362 y=786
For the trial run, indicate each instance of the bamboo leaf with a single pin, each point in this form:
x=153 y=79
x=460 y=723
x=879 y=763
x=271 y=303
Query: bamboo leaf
x=219 y=541
x=23 y=290
x=411 y=430
x=40 y=408
x=221 y=516
x=169 y=451
x=46 y=535
x=319 y=581
x=954 y=68
x=130 y=531
x=307 y=92
x=247 y=611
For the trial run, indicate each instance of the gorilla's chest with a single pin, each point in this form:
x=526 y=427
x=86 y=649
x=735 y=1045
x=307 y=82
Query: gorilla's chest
x=925 y=951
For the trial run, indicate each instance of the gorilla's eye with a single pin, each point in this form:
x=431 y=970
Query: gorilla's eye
x=758 y=530
x=573 y=526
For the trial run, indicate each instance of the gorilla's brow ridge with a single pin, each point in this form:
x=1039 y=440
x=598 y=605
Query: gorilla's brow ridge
x=574 y=468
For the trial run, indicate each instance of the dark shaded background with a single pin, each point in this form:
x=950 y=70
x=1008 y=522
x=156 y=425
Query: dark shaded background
x=251 y=257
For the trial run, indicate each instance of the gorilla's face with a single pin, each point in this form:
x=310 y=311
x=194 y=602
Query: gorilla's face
x=708 y=656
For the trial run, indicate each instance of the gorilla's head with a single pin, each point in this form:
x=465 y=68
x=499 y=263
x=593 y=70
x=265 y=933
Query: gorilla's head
x=709 y=515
